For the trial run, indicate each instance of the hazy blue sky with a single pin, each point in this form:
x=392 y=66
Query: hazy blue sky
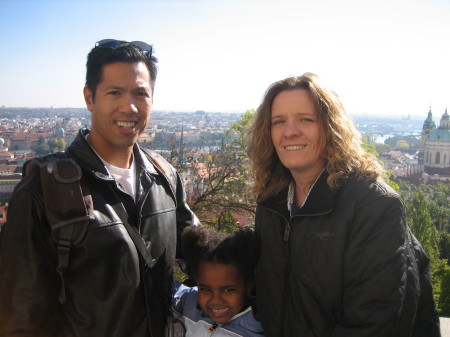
x=382 y=56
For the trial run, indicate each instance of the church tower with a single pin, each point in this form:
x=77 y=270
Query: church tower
x=428 y=126
x=436 y=146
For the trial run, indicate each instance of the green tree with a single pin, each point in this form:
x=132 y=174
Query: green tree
x=218 y=181
x=422 y=227
x=444 y=246
x=401 y=145
x=226 y=222
x=439 y=196
x=62 y=144
x=42 y=149
x=444 y=300
x=57 y=145
x=382 y=148
x=371 y=148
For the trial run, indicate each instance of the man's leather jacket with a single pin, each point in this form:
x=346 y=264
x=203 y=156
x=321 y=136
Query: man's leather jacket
x=109 y=290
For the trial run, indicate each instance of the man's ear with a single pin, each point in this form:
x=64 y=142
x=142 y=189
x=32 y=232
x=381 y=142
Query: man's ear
x=88 y=98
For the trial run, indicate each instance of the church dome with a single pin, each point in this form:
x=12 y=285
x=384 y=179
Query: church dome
x=445 y=116
x=429 y=122
x=442 y=133
x=439 y=135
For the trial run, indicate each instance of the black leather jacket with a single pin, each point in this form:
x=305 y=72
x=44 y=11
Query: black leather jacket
x=110 y=291
x=344 y=265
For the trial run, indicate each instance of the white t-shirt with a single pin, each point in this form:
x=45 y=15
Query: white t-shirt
x=126 y=178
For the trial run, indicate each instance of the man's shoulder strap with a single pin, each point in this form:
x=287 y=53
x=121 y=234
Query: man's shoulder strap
x=68 y=206
x=163 y=167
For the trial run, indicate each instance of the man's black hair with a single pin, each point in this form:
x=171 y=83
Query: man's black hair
x=127 y=53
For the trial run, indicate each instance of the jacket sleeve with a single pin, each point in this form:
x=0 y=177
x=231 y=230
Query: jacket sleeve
x=380 y=292
x=180 y=292
x=29 y=284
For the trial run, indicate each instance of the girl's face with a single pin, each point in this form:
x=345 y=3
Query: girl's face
x=221 y=291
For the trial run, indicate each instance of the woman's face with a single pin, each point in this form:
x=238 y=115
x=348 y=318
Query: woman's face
x=296 y=133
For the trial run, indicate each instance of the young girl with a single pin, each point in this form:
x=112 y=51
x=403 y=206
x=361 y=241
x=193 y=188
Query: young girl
x=222 y=266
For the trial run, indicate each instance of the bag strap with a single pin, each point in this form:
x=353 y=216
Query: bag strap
x=68 y=206
x=134 y=235
x=163 y=167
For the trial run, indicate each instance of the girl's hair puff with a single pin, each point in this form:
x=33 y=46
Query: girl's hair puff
x=201 y=244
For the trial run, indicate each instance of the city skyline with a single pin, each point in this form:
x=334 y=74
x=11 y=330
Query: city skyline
x=383 y=57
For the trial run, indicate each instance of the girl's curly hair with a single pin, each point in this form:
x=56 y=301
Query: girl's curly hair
x=201 y=244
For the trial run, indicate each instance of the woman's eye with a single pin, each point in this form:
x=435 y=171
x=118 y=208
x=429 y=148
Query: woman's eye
x=277 y=122
x=307 y=119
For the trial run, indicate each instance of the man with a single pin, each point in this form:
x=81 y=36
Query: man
x=111 y=285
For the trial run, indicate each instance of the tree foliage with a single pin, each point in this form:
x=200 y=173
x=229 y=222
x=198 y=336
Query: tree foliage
x=401 y=145
x=218 y=181
x=444 y=300
x=372 y=148
x=419 y=220
x=50 y=146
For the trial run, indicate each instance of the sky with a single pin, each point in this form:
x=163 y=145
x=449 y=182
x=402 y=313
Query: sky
x=383 y=57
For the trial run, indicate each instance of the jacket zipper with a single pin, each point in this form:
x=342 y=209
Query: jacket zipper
x=287 y=231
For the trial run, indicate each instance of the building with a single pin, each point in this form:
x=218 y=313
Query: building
x=434 y=154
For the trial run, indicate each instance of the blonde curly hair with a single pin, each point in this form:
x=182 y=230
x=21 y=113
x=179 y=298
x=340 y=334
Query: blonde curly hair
x=341 y=143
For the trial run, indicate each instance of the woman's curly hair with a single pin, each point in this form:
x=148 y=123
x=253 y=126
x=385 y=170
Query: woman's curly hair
x=201 y=244
x=341 y=143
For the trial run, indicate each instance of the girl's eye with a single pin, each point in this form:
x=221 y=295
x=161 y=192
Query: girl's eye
x=203 y=289
x=227 y=290
x=277 y=122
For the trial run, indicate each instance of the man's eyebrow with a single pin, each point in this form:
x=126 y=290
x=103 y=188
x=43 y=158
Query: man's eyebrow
x=143 y=87
x=117 y=87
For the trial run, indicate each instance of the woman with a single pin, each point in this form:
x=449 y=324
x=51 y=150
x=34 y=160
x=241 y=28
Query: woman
x=337 y=258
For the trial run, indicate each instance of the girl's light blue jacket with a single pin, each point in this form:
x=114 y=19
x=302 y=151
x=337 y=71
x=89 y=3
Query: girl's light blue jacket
x=199 y=324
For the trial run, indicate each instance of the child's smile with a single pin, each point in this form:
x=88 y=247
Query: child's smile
x=221 y=291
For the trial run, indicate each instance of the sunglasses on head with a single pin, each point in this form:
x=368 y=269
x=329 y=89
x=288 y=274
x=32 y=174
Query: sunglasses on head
x=111 y=43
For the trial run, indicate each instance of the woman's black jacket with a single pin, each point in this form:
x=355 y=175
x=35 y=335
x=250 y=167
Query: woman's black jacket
x=346 y=265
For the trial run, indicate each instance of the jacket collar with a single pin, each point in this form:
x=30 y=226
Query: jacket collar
x=319 y=201
x=85 y=156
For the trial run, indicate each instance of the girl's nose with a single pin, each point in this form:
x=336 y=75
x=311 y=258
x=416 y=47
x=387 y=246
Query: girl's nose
x=216 y=298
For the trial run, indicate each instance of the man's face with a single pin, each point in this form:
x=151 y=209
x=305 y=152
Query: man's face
x=121 y=109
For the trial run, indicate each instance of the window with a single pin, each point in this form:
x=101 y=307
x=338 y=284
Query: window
x=438 y=158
